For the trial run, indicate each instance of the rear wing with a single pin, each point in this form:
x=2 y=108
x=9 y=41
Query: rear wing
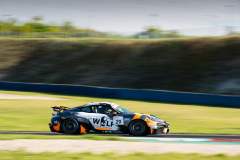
x=59 y=108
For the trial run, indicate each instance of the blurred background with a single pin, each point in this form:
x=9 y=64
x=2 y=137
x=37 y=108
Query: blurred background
x=119 y=19
x=171 y=45
x=189 y=46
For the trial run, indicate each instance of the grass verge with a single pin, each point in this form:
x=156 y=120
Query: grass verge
x=34 y=115
x=87 y=136
x=134 y=156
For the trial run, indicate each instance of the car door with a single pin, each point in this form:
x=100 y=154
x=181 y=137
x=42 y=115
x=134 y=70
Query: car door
x=113 y=120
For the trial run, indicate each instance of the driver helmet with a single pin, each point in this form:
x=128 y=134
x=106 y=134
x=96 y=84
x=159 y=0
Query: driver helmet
x=103 y=109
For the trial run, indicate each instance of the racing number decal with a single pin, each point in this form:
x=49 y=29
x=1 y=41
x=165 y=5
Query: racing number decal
x=118 y=120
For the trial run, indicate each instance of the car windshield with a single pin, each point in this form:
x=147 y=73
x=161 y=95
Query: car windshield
x=122 y=110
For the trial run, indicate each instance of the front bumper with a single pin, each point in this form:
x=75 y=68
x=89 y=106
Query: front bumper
x=160 y=129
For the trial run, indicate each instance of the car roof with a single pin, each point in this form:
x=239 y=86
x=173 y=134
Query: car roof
x=97 y=103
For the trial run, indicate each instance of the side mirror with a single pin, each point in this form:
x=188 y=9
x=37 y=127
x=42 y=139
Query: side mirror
x=113 y=112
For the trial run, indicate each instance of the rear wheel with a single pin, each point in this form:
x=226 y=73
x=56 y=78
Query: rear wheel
x=138 y=128
x=70 y=126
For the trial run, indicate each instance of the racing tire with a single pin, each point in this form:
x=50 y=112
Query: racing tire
x=138 y=128
x=70 y=126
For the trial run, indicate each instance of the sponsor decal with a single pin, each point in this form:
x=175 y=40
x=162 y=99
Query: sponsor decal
x=106 y=122
x=55 y=122
x=91 y=131
x=126 y=119
x=80 y=119
x=102 y=121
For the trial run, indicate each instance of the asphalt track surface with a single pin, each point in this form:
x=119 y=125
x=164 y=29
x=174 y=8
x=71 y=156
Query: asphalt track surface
x=149 y=136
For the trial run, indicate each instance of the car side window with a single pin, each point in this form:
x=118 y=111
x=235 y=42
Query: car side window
x=94 y=109
x=103 y=109
x=86 y=109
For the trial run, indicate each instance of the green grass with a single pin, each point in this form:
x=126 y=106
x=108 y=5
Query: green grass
x=90 y=156
x=86 y=136
x=34 y=115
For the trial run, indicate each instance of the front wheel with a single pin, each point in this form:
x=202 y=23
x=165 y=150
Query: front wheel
x=138 y=128
x=70 y=126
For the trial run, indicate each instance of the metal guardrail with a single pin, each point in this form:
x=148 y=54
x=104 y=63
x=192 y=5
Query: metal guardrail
x=143 y=94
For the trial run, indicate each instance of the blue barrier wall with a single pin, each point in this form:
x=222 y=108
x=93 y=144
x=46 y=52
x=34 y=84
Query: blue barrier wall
x=170 y=96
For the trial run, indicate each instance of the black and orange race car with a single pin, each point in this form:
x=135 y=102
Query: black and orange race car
x=105 y=117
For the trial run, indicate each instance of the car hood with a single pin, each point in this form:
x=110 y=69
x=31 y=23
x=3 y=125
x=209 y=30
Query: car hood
x=152 y=117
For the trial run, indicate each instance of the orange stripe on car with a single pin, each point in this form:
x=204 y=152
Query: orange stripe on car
x=56 y=127
x=137 y=116
x=148 y=121
x=82 y=129
x=152 y=131
x=98 y=128
x=81 y=105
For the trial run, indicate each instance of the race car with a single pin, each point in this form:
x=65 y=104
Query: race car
x=105 y=117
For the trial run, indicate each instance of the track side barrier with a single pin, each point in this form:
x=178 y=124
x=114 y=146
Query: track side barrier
x=159 y=95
